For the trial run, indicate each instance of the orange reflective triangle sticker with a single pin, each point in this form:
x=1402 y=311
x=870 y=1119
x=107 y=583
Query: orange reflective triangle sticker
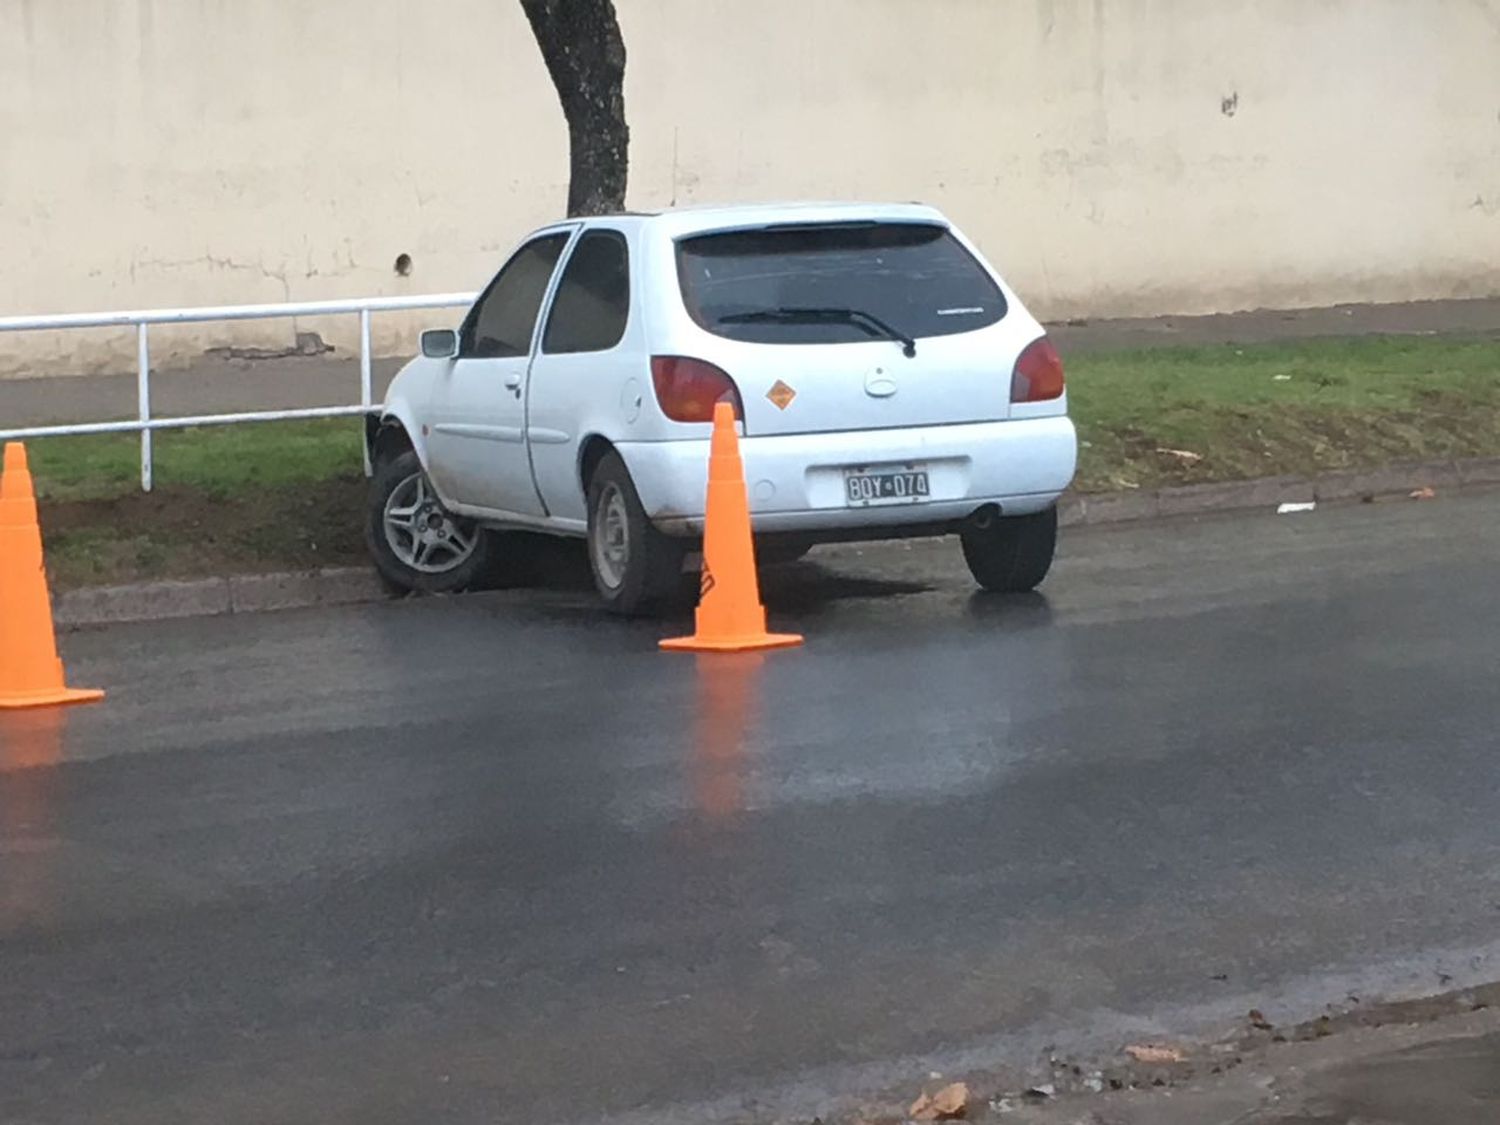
x=781 y=395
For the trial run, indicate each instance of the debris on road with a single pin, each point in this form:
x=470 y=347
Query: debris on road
x=1292 y=508
x=951 y=1103
x=1424 y=494
x=1430 y=1059
x=1154 y=1053
x=1185 y=455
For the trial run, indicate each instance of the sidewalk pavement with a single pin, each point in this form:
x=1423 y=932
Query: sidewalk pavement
x=221 y=385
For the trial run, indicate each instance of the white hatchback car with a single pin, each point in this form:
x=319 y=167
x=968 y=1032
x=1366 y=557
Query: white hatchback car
x=888 y=382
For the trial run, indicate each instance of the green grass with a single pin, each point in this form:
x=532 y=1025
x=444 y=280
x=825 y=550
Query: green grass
x=1281 y=408
x=290 y=495
x=219 y=461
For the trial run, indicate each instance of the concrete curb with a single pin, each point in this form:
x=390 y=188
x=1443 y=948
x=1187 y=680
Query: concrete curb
x=212 y=597
x=1268 y=492
x=258 y=593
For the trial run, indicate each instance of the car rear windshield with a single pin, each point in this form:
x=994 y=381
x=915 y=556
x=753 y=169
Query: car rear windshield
x=792 y=284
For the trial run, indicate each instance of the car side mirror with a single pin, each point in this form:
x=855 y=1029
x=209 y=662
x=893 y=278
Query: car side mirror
x=440 y=343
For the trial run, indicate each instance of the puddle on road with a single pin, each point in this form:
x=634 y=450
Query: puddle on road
x=30 y=742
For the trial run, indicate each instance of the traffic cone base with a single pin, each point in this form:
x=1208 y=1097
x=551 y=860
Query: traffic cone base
x=50 y=698
x=730 y=616
x=31 y=675
x=732 y=644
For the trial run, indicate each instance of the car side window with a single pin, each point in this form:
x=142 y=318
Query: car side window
x=503 y=319
x=592 y=305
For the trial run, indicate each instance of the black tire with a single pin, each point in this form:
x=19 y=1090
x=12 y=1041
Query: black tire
x=397 y=574
x=1011 y=554
x=640 y=570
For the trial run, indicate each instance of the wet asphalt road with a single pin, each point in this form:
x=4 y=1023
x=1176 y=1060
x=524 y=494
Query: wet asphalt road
x=497 y=859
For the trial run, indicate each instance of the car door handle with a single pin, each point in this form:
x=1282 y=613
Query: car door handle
x=513 y=383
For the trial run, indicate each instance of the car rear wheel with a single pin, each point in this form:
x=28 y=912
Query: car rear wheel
x=417 y=545
x=635 y=566
x=1011 y=554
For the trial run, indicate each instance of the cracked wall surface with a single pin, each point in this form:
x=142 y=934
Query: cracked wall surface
x=1113 y=157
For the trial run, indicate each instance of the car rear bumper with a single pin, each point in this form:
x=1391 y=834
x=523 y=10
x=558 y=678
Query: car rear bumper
x=796 y=482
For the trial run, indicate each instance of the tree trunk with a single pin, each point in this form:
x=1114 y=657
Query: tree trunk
x=585 y=55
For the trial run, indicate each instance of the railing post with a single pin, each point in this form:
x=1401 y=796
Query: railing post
x=366 y=376
x=143 y=399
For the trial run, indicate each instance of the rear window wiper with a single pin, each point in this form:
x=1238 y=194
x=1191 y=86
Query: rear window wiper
x=799 y=315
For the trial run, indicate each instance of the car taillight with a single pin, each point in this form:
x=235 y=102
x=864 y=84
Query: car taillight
x=1038 y=375
x=687 y=389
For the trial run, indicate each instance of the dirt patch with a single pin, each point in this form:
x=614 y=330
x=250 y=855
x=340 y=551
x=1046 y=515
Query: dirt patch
x=1236 y=444
x=178 y=532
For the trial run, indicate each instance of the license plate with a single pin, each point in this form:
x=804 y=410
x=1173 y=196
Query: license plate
x=866 y=487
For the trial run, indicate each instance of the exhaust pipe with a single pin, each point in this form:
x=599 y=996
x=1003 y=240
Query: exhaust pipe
x=982 y=519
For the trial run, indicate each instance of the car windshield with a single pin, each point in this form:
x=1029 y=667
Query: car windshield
x=783 y=285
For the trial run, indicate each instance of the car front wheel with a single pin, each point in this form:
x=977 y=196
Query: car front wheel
x=417 y=545
x=635 y=566
x=1011 y=554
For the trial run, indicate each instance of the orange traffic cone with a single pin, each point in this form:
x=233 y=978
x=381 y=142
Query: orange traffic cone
x=730 y=616
x=31 y=675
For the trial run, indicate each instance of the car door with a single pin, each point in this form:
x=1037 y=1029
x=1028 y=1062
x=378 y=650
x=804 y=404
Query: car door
x=586 y=364
x=477 y=448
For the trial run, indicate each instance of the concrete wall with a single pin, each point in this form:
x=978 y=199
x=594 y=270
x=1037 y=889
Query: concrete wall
x=1113 y=156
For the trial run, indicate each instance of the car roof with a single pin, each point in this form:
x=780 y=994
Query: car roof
x=680 y=221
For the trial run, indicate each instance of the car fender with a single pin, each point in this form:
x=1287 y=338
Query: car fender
x=400 y=414
x=408 y=401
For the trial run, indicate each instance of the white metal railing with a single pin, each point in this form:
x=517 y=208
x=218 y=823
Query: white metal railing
x=141 y=320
